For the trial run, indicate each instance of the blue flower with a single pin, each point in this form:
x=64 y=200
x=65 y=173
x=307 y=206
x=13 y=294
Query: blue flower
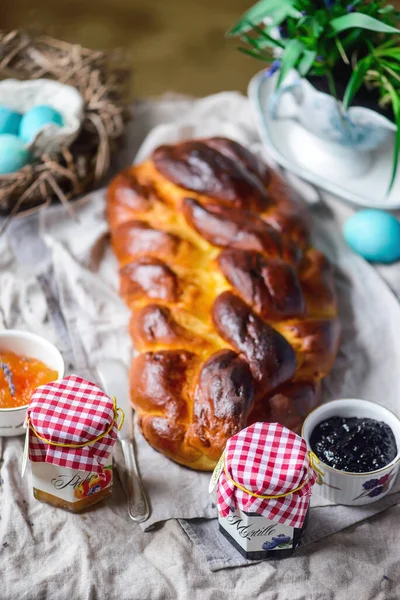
x=270 y=545
x=368 y=485
x=276 y=541
x=273 y=68
x=282 y=539
x=96 y=488
x=350 y=8
x=376 y=491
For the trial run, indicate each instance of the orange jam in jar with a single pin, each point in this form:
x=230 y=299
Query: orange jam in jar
x=73 y=490
x=19 y=377
x=72 y=428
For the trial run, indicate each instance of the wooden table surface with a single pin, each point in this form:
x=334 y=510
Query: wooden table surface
x=174 y=45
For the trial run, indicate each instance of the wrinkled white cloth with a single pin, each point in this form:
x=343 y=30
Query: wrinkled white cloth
x=70 y=296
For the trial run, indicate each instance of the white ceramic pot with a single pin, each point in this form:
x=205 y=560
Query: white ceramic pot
x=337 y=142
x=34 y=346
x=354 y=488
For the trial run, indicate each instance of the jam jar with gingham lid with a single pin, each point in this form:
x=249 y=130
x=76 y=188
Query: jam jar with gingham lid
x=71 y=430
x=264 y=481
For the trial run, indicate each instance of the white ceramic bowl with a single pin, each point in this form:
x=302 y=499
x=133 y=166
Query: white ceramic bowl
x=34 y=346
x=354 y=488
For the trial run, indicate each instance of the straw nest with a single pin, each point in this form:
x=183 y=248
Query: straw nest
x=82 y=166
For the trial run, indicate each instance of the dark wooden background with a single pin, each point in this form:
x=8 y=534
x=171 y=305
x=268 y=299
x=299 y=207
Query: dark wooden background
x=174 y=45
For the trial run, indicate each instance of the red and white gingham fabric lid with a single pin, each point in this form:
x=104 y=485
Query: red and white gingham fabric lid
x=71 y=411
x=266 y=459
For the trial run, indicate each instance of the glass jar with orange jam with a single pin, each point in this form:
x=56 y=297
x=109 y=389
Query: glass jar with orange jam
x=19 y=376
x=72 y=428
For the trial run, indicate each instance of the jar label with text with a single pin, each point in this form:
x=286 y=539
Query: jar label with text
x=69 y=484
x=255 y=533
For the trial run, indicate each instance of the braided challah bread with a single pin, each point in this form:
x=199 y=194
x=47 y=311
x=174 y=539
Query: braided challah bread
x=234 y=313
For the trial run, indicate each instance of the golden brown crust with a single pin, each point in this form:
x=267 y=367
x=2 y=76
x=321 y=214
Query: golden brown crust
x=126 y=197
x=316 y=278
x=222 y=400
x=148 y=277
x=161 y=381
x=288 y=405
x=153 y=325
x=269 y=286
x=137 y=238
x=234 y=228
x=271 y=359
x=197 y=167
x=234 y=313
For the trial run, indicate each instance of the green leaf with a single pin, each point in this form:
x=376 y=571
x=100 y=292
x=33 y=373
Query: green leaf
x=359 y=20
x=392 y=52
x=293 y=12
x=352 y=38
x=316 y=28
x=253 y=54
x=306 y=62
x=355 y=81
x=279 y=15
x=293 y=51
x=391 y=71
x=257 y=43
x=257 y=13
x=305 y=40
x=386 y=9
x=342 y=51
x=266 y=36
x=389 y=43
x=392 y=65
x=396 y=111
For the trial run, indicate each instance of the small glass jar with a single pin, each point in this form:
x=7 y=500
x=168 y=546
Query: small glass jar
x=71 y=430
x=73 y=490
x=263 y=546
x=264 y=482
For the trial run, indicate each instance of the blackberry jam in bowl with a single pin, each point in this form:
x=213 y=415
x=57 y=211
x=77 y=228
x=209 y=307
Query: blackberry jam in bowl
x=357 y=448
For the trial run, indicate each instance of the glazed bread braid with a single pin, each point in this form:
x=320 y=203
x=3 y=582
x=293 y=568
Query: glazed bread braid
x=234 y=313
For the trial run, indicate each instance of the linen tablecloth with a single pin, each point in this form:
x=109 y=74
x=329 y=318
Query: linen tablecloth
x=48 y=554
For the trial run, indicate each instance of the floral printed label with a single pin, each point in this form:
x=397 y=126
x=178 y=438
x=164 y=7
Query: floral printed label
x=257 y=533
x=377 y=486
x=69 y=484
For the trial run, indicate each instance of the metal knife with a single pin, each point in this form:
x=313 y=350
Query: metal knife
x=114 y=379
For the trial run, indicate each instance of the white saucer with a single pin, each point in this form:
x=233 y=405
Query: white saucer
x=279 y=137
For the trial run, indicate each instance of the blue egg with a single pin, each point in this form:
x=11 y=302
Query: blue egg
x=374 y=234
x=36 y=118
x=9 y=120
x=13 y=154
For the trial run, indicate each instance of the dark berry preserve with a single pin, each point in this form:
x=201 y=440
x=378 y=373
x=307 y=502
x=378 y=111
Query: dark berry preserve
x=354 y=445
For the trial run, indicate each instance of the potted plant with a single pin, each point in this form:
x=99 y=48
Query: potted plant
x=347 y=49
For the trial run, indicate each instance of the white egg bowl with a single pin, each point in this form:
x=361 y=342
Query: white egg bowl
x=34 y=346
x=20 y=96
x=343 y=487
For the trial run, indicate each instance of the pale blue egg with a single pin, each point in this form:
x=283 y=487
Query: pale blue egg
x=13 y=154
x=374 y=234
x=36 y=118
x=9 y=120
